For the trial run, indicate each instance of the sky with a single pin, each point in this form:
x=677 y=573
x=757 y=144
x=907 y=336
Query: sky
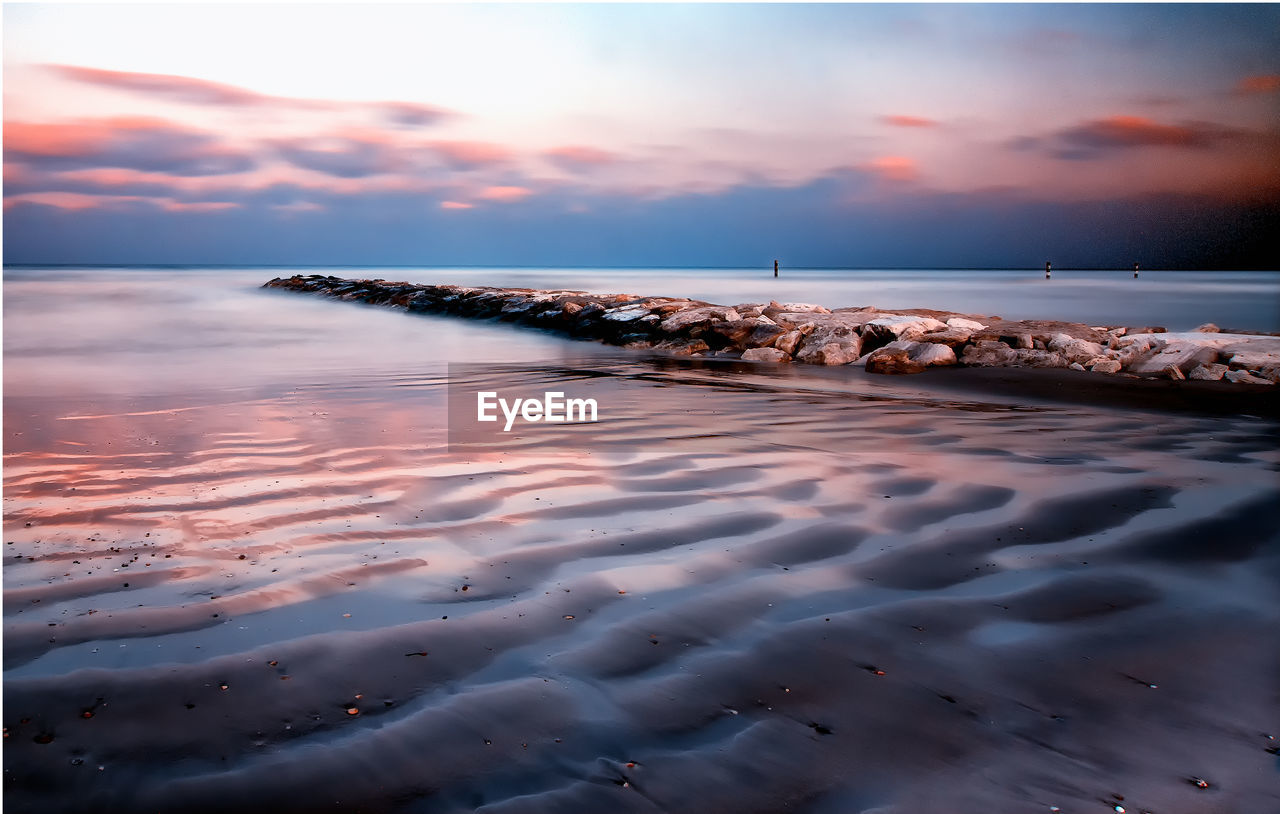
x=834 y=135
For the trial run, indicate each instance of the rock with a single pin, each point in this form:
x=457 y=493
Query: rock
x=1208 y=373
x=881 y=331
x=1208 y=328
x=739 y=331
x=1173 y=372
x=893 y=361
x=626 y=313
x=1182 y=355
x=830 y=343
x=1106 y=366
x=829 y=353
x=1076 y=350
x=799 y=307
x=968 y=324
x=987 y=353
x=571 y=307
x=682 y=347
x=1076 y=366
x=1252 y=360
x=1244 y=377
x=1023 y=341
x=932 y=354
x=1039 y=358
x=765 y=355
x=787 y=342
x=698 y=317
x=951 y=337
x=919 y=355
x=765 y=335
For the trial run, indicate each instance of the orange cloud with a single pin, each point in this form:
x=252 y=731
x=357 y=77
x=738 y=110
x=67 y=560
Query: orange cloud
x=504 y=194
x=455 y=205
x=1262 y=83
x=1136 y=131
x=901 y=120
x=894 y=168
x=196 y=206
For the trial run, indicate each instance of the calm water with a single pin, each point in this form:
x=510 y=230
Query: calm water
x=145 y=331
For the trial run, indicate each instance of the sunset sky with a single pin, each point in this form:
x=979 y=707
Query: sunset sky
x=672 y=135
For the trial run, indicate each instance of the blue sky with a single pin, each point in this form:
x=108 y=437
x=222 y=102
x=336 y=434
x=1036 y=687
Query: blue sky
x=826 y=135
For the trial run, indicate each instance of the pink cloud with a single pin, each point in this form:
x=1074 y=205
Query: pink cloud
x=78 y=138
x=131 y=142
x=576 y=157
x=894 y=168
x=902 y=120
x=504 y=194
x=455 y=205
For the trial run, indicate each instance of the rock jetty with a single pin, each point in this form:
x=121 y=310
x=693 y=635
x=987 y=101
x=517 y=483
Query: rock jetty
x=889 y=342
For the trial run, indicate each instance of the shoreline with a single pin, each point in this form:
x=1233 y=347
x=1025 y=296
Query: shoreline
x=898 y=342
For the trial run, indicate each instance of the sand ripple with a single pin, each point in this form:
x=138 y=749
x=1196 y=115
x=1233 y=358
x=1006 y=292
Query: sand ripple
x=887 y=601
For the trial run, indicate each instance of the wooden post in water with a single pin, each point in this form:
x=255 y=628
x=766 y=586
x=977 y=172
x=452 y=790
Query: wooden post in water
x=775 y=268
x=1047 y=268
x=1135 y=271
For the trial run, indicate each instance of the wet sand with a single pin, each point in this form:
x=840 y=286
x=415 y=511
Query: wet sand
x=816 y=593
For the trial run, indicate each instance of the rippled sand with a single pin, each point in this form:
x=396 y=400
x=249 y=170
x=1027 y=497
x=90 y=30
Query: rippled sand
x=785 y=599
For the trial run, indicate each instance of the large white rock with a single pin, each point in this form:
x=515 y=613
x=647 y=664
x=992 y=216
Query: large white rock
x=788 y=341
x=765 y=355
x=1208 y=373
x=1253 y=360
x=1078 y=351
x=1181 y=355
x=626 y=313
x=899 y=324
x=800 y=307
x=1106 y=366
x=699 y=315
x=968 y=324
x=830 y=353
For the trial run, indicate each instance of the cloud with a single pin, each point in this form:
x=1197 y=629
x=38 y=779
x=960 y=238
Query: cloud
x=576 y=158
x=1261 y=83
x=409 y=114
x=340 y=156
x=79 y=201
x=900 y=120
x=893 y=168
x=455 y=205
x=469 y=155
x=504 y=194
x=1094 y=139
x=190 y=90
x=147 y=144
